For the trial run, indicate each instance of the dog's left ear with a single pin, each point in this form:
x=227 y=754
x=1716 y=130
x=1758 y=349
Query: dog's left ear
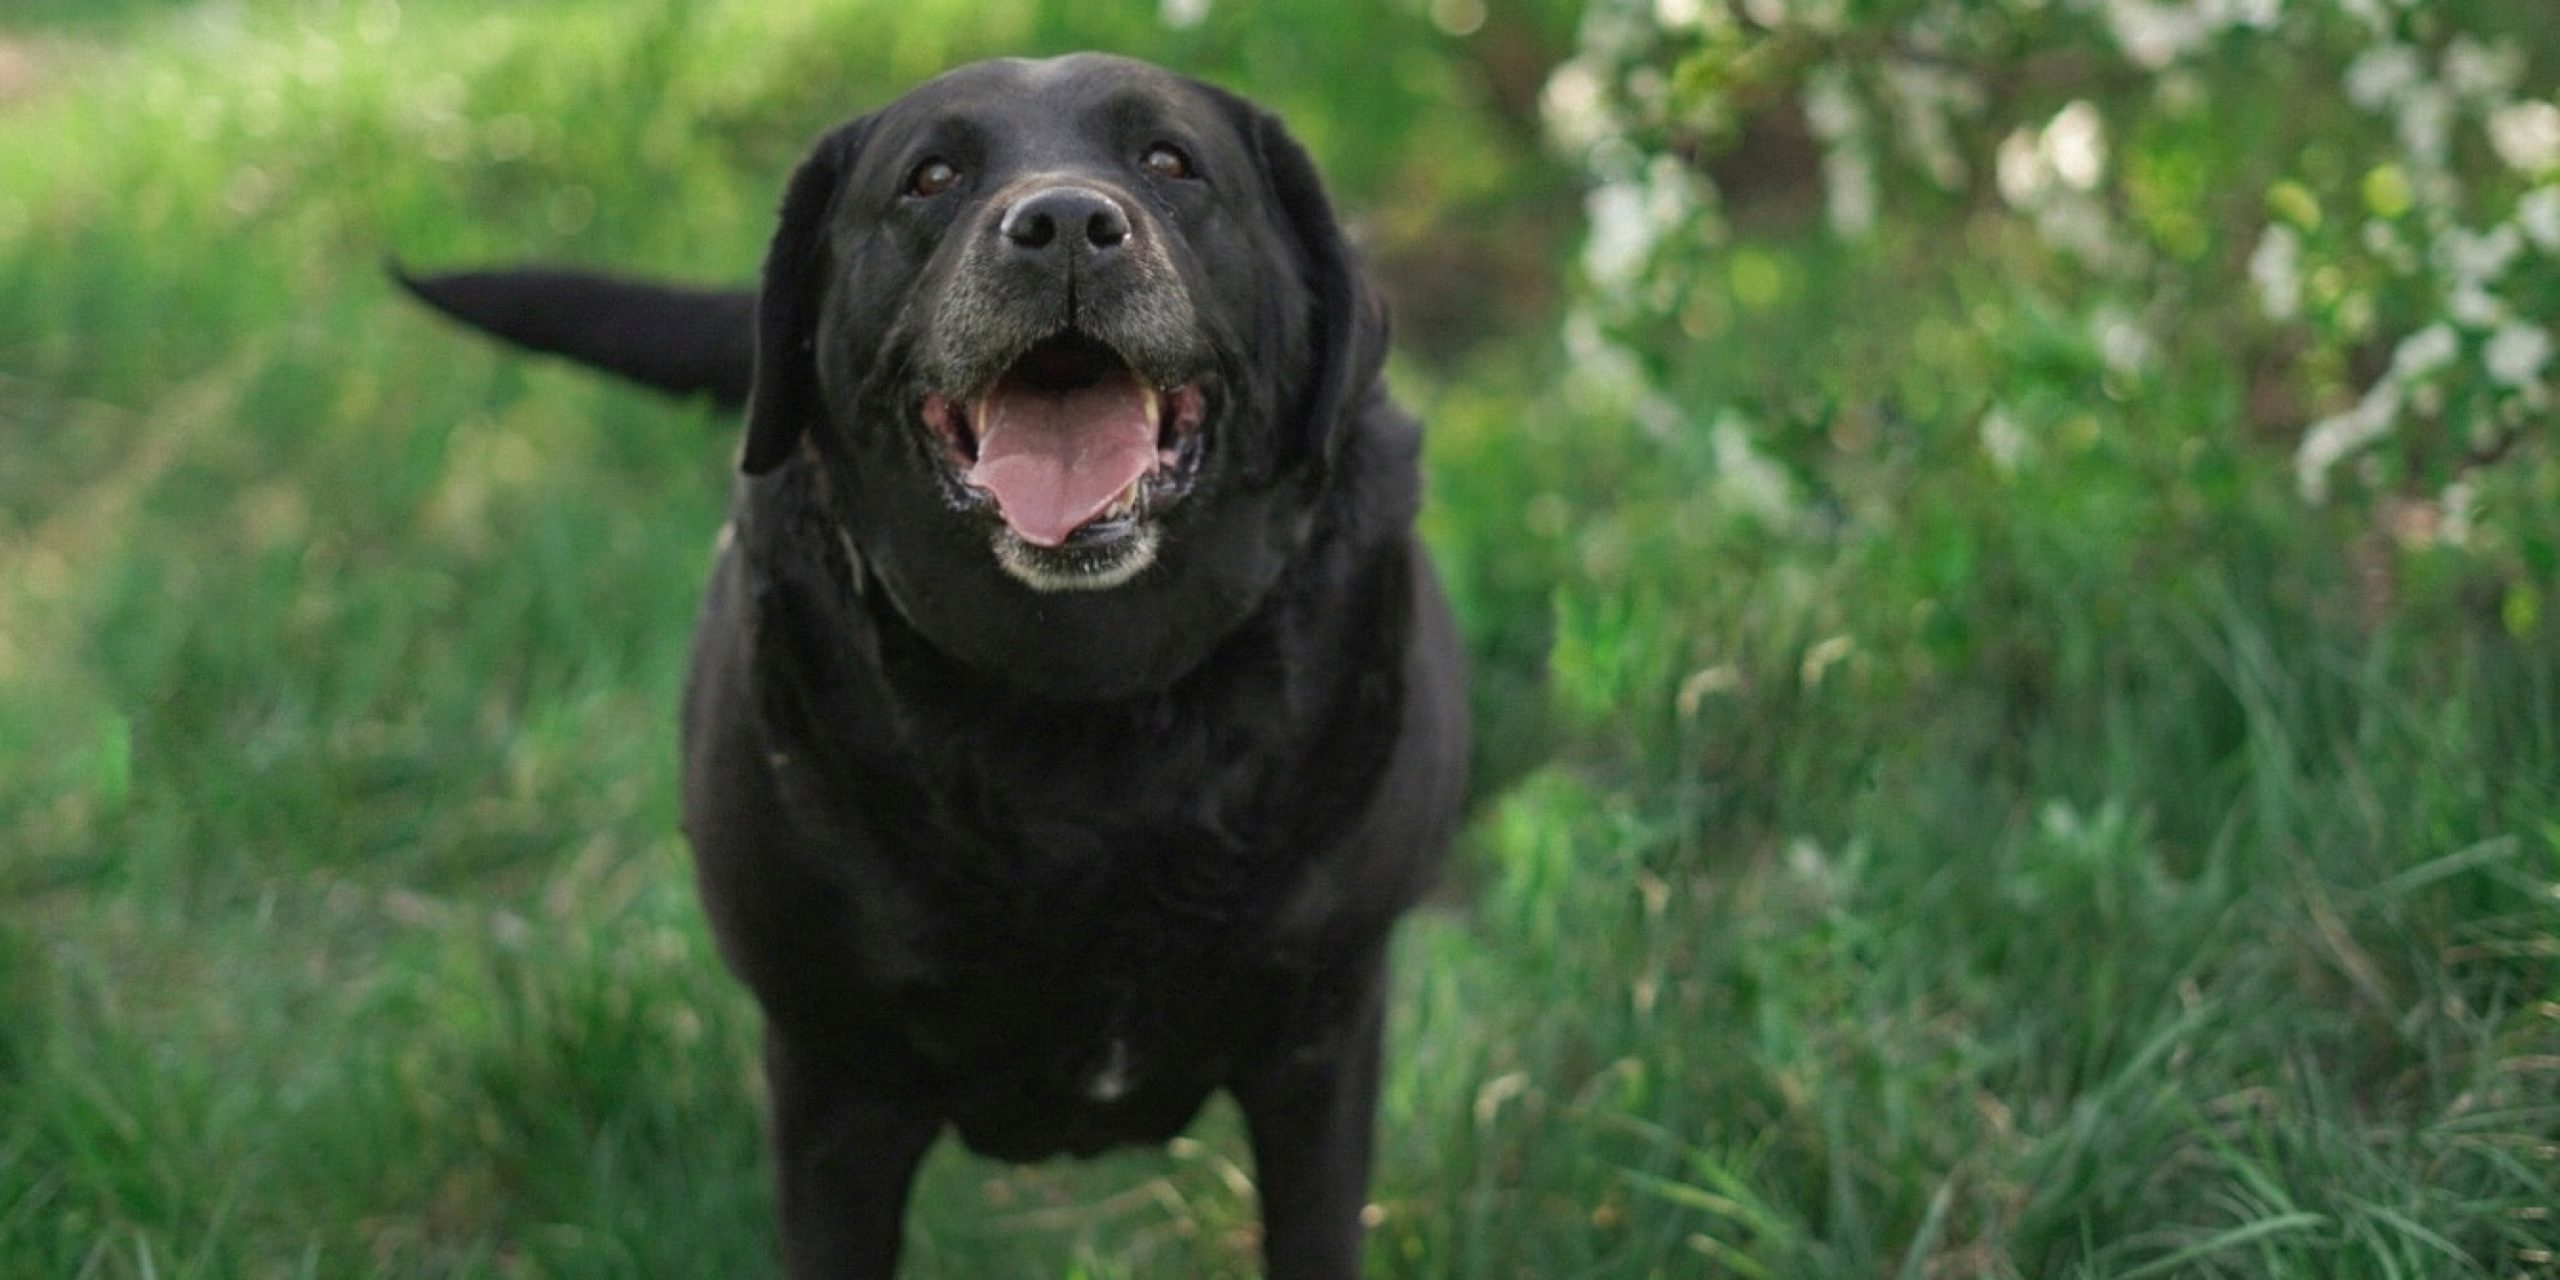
x=1347 y=331
x=784 y=400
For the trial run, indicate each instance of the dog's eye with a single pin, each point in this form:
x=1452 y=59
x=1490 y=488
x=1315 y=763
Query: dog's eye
x=932 y=178
x=1166 y=161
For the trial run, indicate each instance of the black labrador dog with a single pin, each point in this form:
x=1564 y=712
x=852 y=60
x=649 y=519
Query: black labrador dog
x=1072 y=712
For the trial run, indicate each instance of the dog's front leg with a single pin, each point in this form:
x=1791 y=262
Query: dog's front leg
x=846 y=1139
x=1311 y=1118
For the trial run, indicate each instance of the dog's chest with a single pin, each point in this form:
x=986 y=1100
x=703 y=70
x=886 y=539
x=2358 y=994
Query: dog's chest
x=1131 y=831
x=1033 y=1065
x=1070 y=1008
x=1065 y=896
x=1079 y=955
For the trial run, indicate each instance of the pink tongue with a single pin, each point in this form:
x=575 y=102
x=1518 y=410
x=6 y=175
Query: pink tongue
x=1055 y=461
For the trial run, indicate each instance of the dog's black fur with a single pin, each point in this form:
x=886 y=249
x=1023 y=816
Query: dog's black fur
x=1041 y=857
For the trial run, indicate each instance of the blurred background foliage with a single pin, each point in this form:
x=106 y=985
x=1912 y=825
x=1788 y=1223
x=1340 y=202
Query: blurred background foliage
x=2009 y=547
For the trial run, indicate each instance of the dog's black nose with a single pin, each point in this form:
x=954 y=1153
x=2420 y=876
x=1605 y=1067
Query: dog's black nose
x=1082 y=219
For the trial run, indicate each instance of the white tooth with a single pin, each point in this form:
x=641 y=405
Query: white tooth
x=1154 y=403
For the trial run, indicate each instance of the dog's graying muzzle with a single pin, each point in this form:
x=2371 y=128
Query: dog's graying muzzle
x=1054 y=254
x=1069 y=222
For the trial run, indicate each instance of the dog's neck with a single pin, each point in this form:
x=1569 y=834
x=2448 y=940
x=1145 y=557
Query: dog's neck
x=808 y=564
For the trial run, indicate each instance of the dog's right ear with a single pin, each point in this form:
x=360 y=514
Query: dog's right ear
x=1346 y=321
x=785 y=401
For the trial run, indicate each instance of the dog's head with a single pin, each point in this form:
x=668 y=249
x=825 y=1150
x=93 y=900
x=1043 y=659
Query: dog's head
x=1072 y=342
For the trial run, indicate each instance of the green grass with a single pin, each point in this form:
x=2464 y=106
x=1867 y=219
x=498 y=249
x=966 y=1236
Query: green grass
x=2068 y=873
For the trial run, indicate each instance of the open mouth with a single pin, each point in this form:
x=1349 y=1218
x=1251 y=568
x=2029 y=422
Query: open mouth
x=1071 y=446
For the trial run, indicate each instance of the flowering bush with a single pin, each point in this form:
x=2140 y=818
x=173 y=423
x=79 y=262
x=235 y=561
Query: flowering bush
x=2326 y=227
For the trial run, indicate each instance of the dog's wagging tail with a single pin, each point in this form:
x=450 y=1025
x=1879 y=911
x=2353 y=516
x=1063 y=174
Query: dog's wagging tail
x=1072 y=710
x=673 y=339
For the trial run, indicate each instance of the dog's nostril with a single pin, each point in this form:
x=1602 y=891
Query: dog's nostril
x=1107 y=227
x=1030 y=228
x=1033 y=222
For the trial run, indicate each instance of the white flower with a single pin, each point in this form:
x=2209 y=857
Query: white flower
x=2258 y=15
x=2021 y=169
x=1631 y=216
x=2423 y=353
x=2381 y=74
x=1670 y=192
x=2370 y=12
x=2459 y=504
x=2338 y=435
x=1575 y=106
x=1848 y=172
x=1815 y=15
x=1676 y=15
x=2075 y=144
x=1746 y=479
x=1829 y=107
x=2122 y=342
x=2155 y=35
x=1925 y=97
x=2468 y=259
x=2474 y=307
x=2527 y=136
x=2426 y=127
x=1621 y=234
x=2479 y=71
x=1605 y=377
x=2003 y=440
x=2515 y=355
x=2275 y=266
x=2380 y=237
x=2539 y=215
x=1849 y=184
x=2079 y=224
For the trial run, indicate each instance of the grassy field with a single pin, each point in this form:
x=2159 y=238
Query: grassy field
x=2089 y=871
